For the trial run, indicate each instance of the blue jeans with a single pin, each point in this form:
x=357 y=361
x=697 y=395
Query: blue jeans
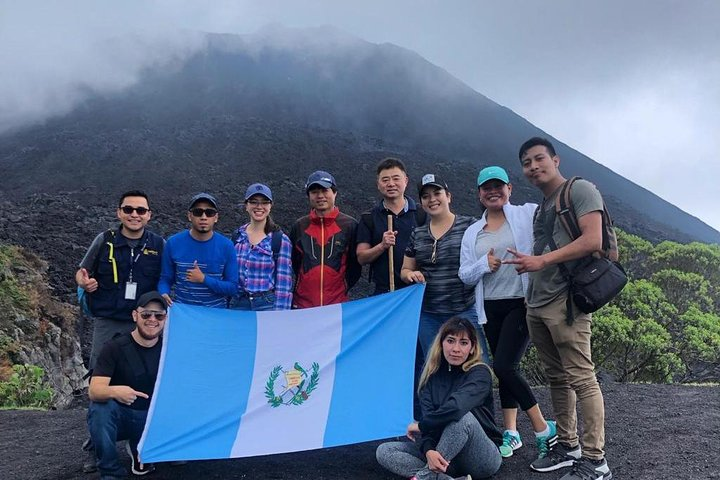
x=110 y=422
x=257 y=302
x=430 y=324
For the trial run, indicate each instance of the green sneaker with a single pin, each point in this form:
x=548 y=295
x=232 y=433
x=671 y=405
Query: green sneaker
x=546 y=442
x=511 y=442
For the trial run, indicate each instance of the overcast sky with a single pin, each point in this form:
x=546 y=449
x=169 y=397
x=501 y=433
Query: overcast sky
x=633 y=84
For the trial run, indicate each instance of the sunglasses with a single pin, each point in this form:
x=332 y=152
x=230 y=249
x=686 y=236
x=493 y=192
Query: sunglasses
x=433 y=255
x=198 y=212
x=128 y=210
x=159 y=316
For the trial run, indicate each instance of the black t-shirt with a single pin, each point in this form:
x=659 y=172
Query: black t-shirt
x=113 y=362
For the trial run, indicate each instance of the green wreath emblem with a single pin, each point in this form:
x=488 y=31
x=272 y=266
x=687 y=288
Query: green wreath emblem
x=296 y=391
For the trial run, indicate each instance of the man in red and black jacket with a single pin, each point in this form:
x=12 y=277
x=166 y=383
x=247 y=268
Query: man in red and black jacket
x=323 y=255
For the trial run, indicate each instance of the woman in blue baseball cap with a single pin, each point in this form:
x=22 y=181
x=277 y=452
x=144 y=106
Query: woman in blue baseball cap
x=500 y=298
x=263 y=255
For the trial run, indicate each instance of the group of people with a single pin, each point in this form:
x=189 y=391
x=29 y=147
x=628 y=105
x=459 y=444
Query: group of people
x=492 y=286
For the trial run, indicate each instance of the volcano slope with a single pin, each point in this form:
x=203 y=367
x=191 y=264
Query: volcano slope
x=652 y=431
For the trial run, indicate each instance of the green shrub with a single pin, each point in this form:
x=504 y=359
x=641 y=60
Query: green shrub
x=26 y=388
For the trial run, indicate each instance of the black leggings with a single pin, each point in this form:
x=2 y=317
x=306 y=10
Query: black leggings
x=507 y=334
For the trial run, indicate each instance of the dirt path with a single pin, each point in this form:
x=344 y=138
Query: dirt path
x=652 y=432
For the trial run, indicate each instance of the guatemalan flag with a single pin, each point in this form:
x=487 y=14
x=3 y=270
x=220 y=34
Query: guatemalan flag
x=238 y=384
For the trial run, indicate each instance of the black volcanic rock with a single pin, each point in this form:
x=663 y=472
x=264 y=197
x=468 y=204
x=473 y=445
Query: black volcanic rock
x=273 y=107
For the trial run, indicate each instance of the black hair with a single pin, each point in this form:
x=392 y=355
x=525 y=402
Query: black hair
x=390 y=162
x=133 y=193
x=534 y=142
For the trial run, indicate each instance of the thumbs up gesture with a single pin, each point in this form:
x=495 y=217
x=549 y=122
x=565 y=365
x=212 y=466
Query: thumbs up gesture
x=195 y=275
x=493 y=261
x=85 y=282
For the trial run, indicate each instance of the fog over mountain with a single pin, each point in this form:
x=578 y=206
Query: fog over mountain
x=273 y=107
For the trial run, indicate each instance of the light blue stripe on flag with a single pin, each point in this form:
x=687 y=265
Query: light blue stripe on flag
x=203 y=385
x=372 y=396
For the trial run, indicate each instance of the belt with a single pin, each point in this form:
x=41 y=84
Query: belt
x=254 y=295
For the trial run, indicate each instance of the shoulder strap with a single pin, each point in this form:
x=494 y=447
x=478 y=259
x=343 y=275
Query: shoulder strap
x=275 y=245
x=565 y=210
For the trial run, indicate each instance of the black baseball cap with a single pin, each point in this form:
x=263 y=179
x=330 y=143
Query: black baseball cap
x=153 y=296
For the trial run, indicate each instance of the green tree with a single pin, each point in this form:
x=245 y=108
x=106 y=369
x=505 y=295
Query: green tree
x=684 y=289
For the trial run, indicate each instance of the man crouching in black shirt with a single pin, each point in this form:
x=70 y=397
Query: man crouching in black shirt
x=121 y=385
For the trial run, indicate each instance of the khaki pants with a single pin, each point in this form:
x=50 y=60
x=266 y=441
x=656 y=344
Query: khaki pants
x=565 y=353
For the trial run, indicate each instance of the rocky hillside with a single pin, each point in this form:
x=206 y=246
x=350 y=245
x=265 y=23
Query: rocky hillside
x=35 y=327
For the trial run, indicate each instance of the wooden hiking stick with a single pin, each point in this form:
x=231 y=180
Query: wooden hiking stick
x=391 y=261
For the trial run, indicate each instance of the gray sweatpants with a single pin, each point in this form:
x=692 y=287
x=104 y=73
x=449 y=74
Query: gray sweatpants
x=463 y=443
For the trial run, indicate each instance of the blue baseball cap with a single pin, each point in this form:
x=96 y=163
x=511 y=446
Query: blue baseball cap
x=258 y=189
x=324 y=179
x=203 y=197
x=492 y=173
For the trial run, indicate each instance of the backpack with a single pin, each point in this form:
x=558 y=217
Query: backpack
x=597 y=280
x=565 y=211
x=82 y=295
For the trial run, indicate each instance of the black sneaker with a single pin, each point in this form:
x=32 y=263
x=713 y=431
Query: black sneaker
x=136 y=467
x=90 y=462
x=586 y=469
x=556 y=456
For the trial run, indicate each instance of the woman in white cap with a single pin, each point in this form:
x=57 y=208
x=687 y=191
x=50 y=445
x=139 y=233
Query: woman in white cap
x=263 y=255
x=500 y=298
x=433 y=257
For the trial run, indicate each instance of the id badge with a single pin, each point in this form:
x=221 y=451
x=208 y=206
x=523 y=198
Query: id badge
x=130 y=290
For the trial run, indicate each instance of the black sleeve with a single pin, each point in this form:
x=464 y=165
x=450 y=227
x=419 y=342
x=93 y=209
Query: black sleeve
x=353 y=270
x=410 y=249
x=471 y=393
x=426 y=441
x=296 y=254
x=364 y=235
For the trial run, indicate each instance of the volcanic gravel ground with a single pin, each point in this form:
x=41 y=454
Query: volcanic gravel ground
x=652 y=432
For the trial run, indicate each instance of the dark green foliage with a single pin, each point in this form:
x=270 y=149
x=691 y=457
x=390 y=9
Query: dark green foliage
x=26 y=388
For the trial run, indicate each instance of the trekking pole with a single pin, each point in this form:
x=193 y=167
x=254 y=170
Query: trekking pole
x=391 y=261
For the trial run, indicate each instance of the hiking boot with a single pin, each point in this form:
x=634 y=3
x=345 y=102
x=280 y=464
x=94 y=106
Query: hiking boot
x=511 y=442
x=136 y=467
x=586 y=469
x=90 y=460
x=557 y=456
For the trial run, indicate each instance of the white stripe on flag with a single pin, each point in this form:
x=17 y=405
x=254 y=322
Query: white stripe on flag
x=284 y=340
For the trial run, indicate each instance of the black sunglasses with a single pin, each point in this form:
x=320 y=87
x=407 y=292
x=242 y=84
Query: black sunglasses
x=158 y=315
x=198 y=212
x=128 y=210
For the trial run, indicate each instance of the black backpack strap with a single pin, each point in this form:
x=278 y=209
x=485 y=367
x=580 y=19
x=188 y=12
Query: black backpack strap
x=275 y=245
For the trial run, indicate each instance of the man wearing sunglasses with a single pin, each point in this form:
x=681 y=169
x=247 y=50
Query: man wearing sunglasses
x=120 y=265
x=121 y=387
x=199 y=265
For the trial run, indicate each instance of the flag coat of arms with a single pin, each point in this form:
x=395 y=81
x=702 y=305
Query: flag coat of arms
x=237 y=384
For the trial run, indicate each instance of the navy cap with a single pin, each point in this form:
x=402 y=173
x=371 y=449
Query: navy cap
x=431 y=180
x=153 y=296
x=324 y=179
x=258 y=189
x=203 y=196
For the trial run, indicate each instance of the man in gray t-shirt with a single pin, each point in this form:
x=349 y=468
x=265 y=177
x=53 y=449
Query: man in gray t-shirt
x=563 y=348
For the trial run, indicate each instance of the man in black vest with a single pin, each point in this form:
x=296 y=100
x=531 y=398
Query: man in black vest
x=122 y=382
x=120 y=265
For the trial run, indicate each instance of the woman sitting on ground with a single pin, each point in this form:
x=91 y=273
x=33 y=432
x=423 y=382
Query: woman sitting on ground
x=456 y=434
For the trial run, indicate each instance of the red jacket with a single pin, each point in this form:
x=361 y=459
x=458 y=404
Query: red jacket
x=324 y=259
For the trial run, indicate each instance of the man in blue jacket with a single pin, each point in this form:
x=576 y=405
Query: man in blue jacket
x=199 y=265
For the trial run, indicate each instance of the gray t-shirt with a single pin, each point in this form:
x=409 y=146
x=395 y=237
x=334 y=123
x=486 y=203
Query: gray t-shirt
x=505 y=282
x=548 y=283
